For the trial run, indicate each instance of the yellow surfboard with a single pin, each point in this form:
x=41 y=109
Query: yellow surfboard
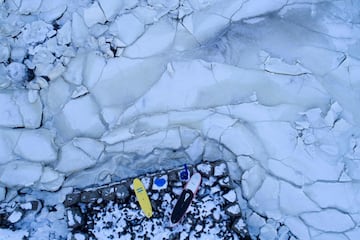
x=142 y=197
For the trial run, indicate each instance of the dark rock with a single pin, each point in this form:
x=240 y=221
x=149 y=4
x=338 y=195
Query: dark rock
x=72 y=199
x=3 y=220
x=89 y=196
x=173 y=176
x=108 y=194
x=122 y=192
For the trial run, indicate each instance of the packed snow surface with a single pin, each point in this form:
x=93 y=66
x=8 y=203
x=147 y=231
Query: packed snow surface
x=92 y=91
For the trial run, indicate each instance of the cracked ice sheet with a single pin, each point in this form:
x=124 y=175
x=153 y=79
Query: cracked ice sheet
x=272 y=85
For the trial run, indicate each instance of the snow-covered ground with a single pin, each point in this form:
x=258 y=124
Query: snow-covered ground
x=93 y=91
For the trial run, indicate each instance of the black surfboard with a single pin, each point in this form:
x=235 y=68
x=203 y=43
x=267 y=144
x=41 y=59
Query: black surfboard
x=182 y=205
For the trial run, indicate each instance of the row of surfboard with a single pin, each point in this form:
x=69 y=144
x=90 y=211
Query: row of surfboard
x=182 y=204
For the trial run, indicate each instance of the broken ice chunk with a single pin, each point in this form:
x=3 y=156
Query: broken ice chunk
x=51 y=180
x=158 y=38
x=36 y=145
x=205 y=26
x=127 y=27
x=17 y=72
x=268 y=232
x=113 y=7
x=329 y=220
x=29 y=6
x=64 y=34
x=15 y=216
x=20 y=173
x=93 y=15
x=73 y=158
x=4 y=78
x=91 y=146
x=36 y=32
x=17 y=111
x=230 y=196
x=4 y=52
x=80 y=117
x=79 y=30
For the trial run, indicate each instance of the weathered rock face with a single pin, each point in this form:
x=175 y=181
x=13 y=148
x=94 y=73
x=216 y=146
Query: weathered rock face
x=113 y=211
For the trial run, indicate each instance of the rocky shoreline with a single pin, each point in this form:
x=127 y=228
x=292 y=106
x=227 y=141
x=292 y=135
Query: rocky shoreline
x=112 y=211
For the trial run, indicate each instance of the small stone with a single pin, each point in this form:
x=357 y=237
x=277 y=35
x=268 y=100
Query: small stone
x=72 y=199
x=122 y=192
x=108 y=194
x=220 y=170
x=89 y=196
x=230 y=196
x=233 y=210
x=75 y=217
x=205 y=169
x=173 y=176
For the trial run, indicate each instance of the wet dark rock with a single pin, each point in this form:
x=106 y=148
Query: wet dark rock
x=121 y=192
x=72 y=199
x=108 y=194
x=89 y=196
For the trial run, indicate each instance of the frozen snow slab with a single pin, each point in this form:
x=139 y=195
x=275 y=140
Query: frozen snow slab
x=33 y=145
x=156 y=40
x=18 y=111
x=20 y=173
x=36 y=145
x=79 y=154
x=80 y=117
